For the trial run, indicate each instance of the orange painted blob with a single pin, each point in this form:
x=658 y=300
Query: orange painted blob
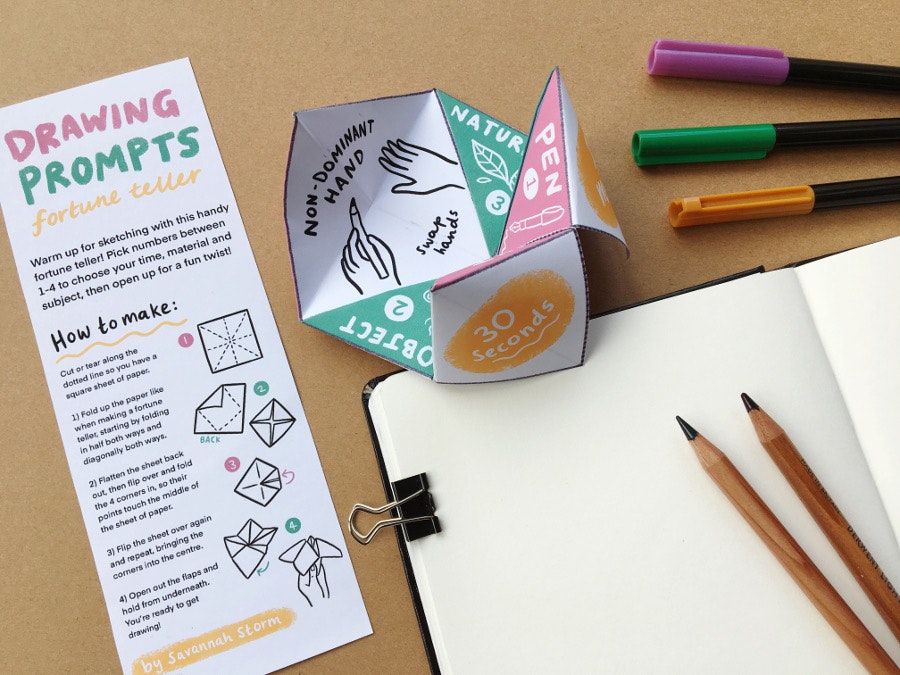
x=525 y=317
x=593 y=186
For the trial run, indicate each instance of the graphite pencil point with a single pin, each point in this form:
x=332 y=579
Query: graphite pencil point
x=688 y=430
x=749 y=403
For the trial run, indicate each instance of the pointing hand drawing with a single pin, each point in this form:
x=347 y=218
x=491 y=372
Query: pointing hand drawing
x=423 y=171
x=367 y=262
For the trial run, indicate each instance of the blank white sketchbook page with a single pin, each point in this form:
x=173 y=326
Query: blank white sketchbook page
x=580 y=533
x=855 y=301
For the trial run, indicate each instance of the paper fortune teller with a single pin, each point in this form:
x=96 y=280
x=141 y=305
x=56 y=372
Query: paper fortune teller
x=443 y=240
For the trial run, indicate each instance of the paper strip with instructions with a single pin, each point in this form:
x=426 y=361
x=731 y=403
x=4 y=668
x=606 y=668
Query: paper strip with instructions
x=212 y=528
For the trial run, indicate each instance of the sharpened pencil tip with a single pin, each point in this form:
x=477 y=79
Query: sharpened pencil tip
x=749 y=403
x=688 y=430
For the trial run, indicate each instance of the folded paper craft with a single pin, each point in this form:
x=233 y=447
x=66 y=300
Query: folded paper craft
x=222 y=412
x=248 y=547
x=441 y=239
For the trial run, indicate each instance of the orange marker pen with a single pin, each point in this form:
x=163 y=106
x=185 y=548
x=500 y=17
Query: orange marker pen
x=787 y=201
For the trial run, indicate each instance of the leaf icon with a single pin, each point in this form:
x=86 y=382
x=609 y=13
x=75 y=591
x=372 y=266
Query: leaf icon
x=491 y=162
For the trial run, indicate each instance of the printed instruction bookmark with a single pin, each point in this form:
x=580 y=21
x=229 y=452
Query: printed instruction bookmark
x=212 y=528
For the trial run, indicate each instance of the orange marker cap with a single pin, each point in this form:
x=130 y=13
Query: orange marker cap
x=724 y=208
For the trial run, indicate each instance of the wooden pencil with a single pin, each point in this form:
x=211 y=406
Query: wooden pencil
x=839 y=532
x=789 y=553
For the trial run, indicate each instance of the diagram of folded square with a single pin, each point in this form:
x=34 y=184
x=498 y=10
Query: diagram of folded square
x=248 y=547
x=260 y=483
x=222 y=412
x=272 y=422
x=229 y=341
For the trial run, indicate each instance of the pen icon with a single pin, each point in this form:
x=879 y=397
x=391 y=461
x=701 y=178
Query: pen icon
x=546 y=217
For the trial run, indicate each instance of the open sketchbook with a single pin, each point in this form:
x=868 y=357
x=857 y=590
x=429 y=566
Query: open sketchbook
x=579 y=532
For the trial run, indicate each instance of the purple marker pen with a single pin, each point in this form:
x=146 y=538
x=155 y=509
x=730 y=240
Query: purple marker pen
x=762 y=65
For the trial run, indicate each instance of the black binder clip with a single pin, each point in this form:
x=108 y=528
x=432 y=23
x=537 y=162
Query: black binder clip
x=413 y=507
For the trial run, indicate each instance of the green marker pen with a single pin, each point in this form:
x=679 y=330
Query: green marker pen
x=753 y=141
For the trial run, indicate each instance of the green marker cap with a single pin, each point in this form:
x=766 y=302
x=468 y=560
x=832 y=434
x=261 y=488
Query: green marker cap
x=702 y=144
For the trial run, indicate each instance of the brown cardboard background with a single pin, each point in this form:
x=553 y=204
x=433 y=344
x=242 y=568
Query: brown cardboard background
x=257 y=62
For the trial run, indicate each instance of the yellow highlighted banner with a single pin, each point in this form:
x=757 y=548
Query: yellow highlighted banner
x=194 y=649
x=84 y=351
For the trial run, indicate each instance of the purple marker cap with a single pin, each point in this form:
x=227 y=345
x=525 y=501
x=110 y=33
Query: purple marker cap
x=709 y=61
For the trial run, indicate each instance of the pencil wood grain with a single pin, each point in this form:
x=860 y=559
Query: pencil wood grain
x=877 y=587
x=789 y=553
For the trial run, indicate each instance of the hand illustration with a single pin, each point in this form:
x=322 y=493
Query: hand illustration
x=367 y=262
x=308 y=557
x=423 y=171
x=317 y=591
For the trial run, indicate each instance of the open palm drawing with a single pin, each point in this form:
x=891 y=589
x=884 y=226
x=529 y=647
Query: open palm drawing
x=423 y=171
